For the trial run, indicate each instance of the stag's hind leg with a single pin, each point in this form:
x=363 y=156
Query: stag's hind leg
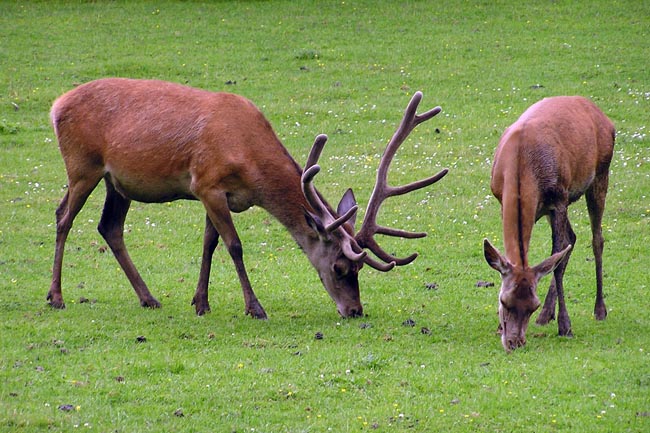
x=210 y=241
x=111 y=227
x=74 y=199
x=595 y=197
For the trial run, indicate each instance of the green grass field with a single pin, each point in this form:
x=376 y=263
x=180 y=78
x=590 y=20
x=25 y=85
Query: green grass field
x=347 y=69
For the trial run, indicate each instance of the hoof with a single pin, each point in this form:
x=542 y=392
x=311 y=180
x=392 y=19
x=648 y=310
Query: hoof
x=55 y=301
x=150 y=303
x=200 y=306
x=257 y=313
x=200 y=311
x=58 y=305
x=600 y=313
x=544 y=318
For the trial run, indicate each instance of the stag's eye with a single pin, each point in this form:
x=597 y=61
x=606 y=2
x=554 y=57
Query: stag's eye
x=341 y=268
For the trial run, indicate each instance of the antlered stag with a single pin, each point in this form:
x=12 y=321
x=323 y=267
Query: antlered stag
x=558 y=150
x=155 y=141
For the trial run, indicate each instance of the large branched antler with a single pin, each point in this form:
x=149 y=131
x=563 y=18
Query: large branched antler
x=330 y=223
x=353 y=247
x=382 y=191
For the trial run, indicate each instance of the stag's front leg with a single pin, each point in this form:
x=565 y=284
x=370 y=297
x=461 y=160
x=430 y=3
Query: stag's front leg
x=210 y=241
x=216 y=206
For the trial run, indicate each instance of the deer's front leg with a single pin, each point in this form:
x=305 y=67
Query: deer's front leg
x=548 y=310
x=563 y=236
x=216 y=206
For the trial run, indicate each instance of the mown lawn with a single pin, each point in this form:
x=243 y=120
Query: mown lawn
x=426 y=357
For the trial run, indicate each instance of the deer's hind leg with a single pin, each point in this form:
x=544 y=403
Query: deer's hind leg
x=111 y=227
x=595 y=197
x=78 y=192
x=210 y=241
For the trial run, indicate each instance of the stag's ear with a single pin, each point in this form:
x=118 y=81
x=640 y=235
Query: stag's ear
x=495 y=259
x=549 y=265
x=348 y=201
x=315 y=223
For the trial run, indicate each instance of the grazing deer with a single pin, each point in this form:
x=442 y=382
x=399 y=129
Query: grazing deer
x=154 y=142
x=558 y=150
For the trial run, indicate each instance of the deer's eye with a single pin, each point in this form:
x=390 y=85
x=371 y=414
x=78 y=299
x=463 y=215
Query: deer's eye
x=341 y=268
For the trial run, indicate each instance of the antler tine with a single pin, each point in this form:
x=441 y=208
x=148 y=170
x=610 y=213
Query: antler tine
x=310 y=193
x=384 y=267
x=308 y=189
x=316 y=150
x=382 y=190
x=342 y=219
x=312 y=169
x=419 y=184
x=388 y=258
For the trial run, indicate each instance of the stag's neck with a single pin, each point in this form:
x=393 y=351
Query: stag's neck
x=293 y=219
x=284 y=200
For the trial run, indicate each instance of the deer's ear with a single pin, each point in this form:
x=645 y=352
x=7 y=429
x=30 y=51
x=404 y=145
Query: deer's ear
x=549 y=265
x=348 y=201
x=495 y=259
x=315 y=223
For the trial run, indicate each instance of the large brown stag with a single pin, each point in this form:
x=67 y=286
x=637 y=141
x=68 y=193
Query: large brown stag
x=155 y=141
x=558 y=150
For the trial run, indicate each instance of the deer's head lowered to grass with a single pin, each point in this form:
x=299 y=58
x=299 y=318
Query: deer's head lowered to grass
x=155 y=141
x=558 y=150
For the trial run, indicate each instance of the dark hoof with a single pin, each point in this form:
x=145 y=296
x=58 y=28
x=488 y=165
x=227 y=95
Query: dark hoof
x=200 y=311
x=55 y=301
x=58 y=305
x=544 y=318
x=257 y=313
x=201 y=307
x=600 y=313
x=150 y=303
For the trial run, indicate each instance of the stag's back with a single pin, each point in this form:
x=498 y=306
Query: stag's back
x=155 y=138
